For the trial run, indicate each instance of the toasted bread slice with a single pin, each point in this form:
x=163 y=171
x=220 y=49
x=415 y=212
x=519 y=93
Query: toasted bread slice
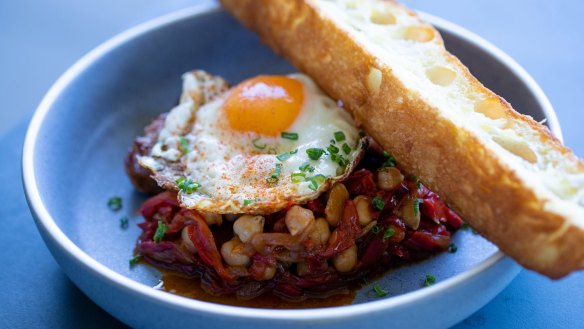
x=507 y=175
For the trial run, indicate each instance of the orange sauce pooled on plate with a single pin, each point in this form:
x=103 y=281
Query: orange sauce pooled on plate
x=191 y=288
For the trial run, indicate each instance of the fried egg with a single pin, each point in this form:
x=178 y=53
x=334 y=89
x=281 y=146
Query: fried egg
x=269 y=142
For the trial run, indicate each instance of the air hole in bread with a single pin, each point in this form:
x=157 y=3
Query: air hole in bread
x=518 y=148
x=419 y=33
x=382 y=17
x=374 y=80
x=440 y=75
x=491 y=108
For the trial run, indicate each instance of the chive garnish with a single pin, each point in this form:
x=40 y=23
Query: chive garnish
x=380 y=292
x=284 y=156
x=124 y=222
x=333 y=141
x=388 y=233
x=346 y=148
x=289 y=135
x=187 y=185
x=376 y=229
x=417 y=203
x=306 y=167
x=339 y=136
x=115 y=203
x=430 y=280
x=340 y=160
x=294 y=152
x=452 y=248
x=417 y=181
x=333 y=149
x=160 y=231
x=134 y=260
x=315 y=181
x=247 y=202
x=314 y=153
x=297 y=177
x=275 y=174
x=184 y=145
x=258 y=146
x=389 y=160
x=378 y=203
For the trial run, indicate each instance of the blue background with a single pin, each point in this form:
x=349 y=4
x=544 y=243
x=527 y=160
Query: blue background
x=39 y=40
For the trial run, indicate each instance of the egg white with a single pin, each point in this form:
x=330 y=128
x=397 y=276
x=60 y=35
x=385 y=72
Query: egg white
x=233 y=167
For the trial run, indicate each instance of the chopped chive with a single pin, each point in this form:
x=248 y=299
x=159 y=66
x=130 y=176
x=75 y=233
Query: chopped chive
x=275 y=174
x=294 y=152
x=306 y=167
x=430 y=280
x=284 y=156
x=380 y=292
x=417 y=203
x=115 y=203
x=389 y=160
x=346 y=148
x=160 y=231
x=388 y=233
x=314 y=153
x=464 y=226
x=187 y=185
x=339 y=136
x=247 y=202
x=258 y=146
x=340 y=160
x=297 y=177
x=315 y=181
x=332 y=149
x=289 y=135
x=124 y=222
x=378 y=203
x=134 y=260
x=452 y=248
x=376 y=229
x=184 y=145
x=417 y=181
x=332 y=141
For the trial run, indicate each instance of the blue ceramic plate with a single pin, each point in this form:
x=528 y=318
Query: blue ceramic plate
x=73 y=164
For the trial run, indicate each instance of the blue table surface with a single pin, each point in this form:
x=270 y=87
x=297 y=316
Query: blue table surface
x=41 y=39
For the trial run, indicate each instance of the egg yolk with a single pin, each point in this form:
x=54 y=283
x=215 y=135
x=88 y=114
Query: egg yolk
x=265 y=104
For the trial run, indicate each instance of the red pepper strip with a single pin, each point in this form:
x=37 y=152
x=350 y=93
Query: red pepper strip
x=183 y=218
x=151 y=206
x=434 y=208
x=428 y=241
x=361 y=183
x=347 y=231
x=203 y=240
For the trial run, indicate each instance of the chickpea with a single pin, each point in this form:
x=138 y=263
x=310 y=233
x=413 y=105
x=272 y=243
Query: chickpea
x=410 y=212
x=247 y=225
x=320 y=232
x=186 y=240
x=333 y=237
x=231 y=217
x=298 y=219
x=212 y=218
x=269 y=272
x=233 y=253
x=389 y=178
x=336 y=203
x=301 y=268
x=363 y=204
x=346 y=260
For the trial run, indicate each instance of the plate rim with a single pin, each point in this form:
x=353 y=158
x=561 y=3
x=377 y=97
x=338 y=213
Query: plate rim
x=45 y=221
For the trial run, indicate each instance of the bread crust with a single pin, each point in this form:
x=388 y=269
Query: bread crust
x=450 y=160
